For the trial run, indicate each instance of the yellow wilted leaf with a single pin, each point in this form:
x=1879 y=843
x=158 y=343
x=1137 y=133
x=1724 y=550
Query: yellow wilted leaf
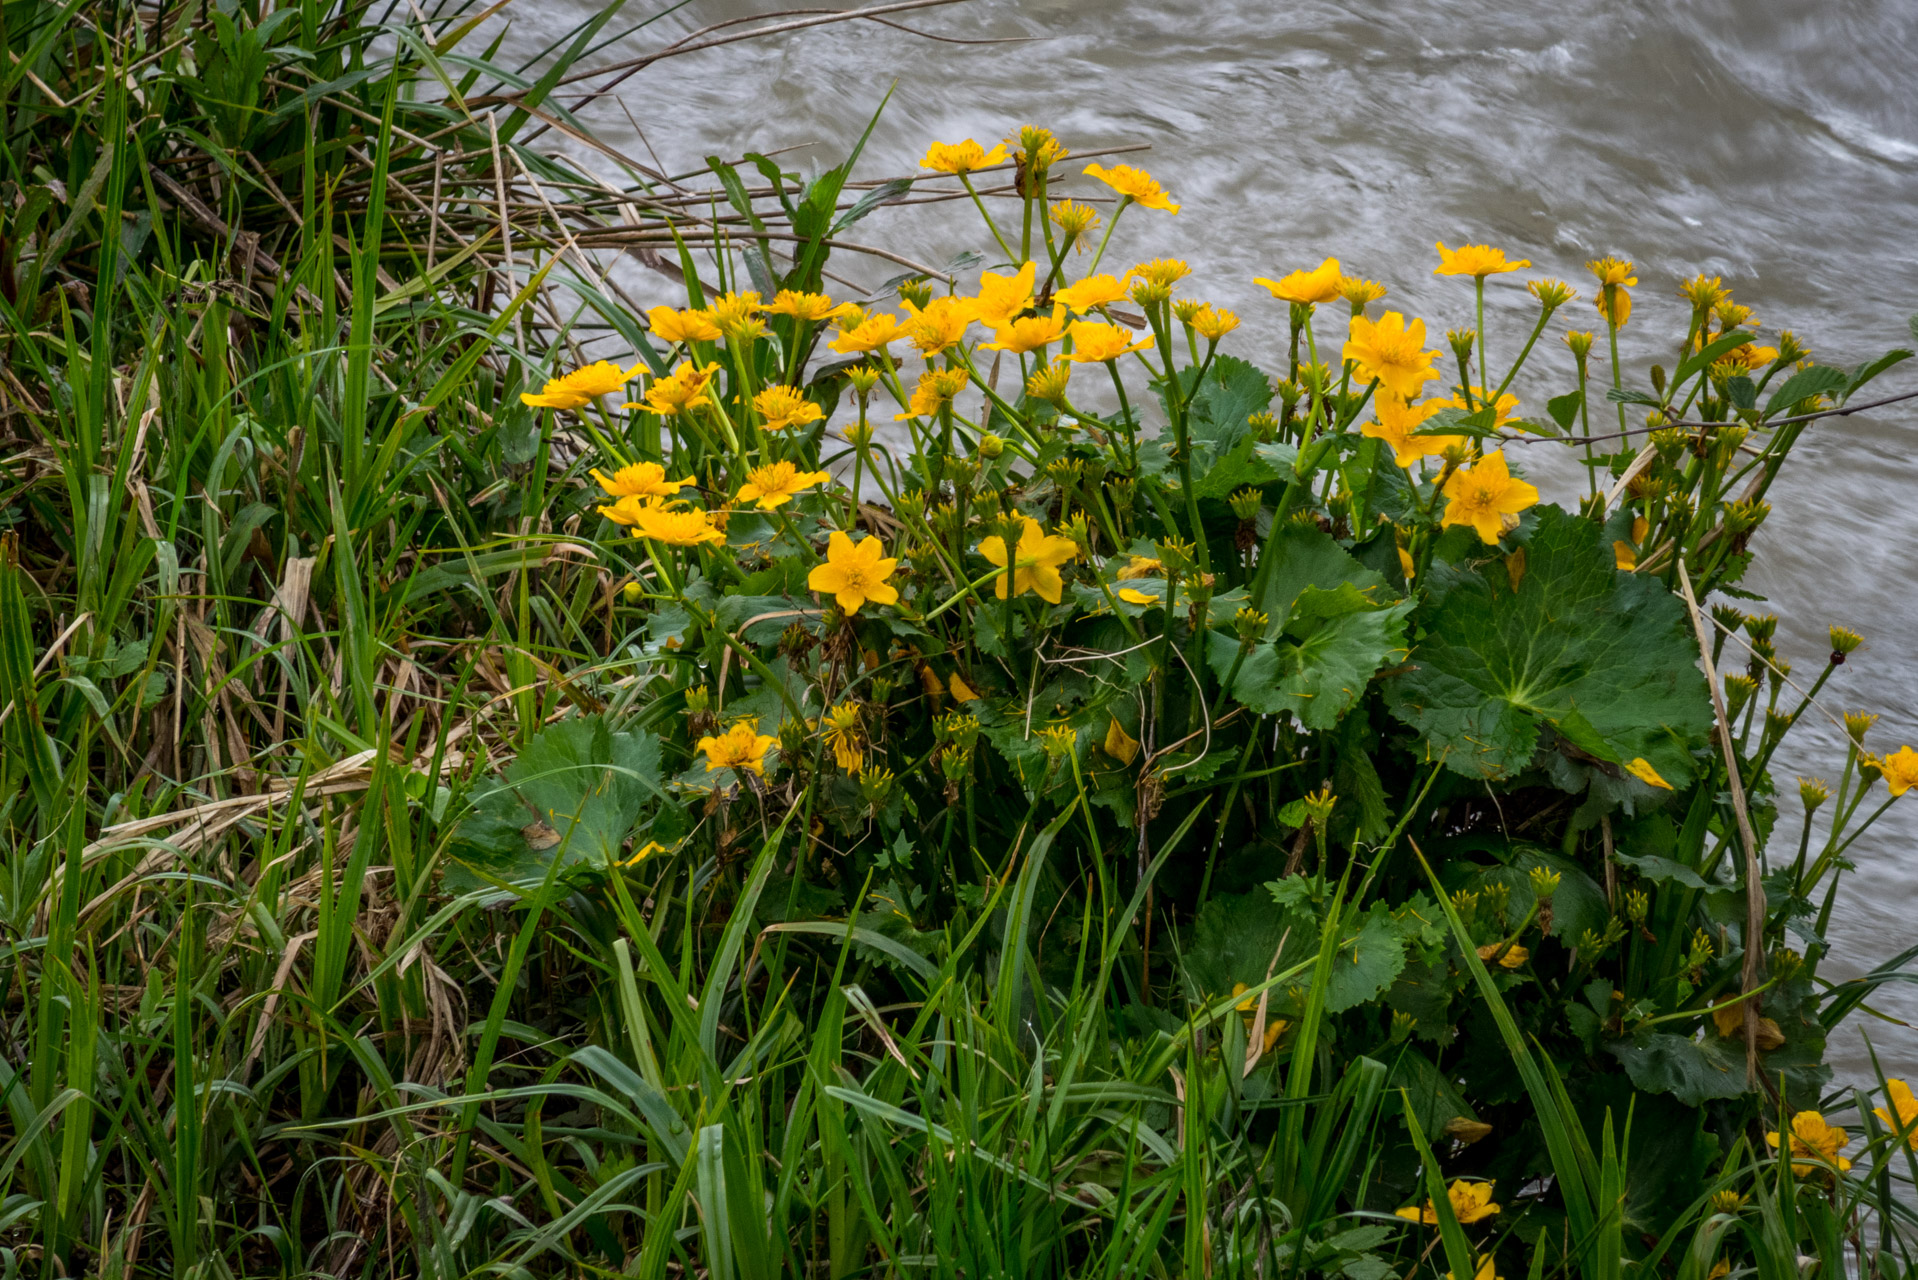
x=1119 y=744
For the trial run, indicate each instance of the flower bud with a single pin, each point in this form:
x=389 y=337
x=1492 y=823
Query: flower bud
x=1461 y=342
x=1245 y=503
x=1843 y=642
x=1727 y=1201
x=1250 y=623
x=1858 y=724
x=1580 y=341
x=991 y=446
x=1545 y=881
x=858 y=434
x=1638 y=904
x=1403 y=1024
x=1739 y=689
x=1264 y=426
x=1761 y=626
x=633 y=592
x=916 y=291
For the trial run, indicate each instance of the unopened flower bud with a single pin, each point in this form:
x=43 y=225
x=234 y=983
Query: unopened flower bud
x=991 y=446
x=1637 y=904
x=917 y=291
x=1580 y=341
x=633 y=592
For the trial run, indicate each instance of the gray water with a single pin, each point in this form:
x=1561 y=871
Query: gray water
x=1771 y=142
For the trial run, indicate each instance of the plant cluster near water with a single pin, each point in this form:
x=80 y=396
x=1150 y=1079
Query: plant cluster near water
x=988 y=777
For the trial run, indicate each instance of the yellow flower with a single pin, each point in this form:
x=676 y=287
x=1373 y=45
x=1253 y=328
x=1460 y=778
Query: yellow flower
x=1359 y=292
x=807 y=308
x=1901 y=770
x=1124 y=748
x=782 y=407
x=1487 y=1269
x=662 y=523
x=844 y=735
x=1615 y=272
x=1036 y=148
x=869 y=334
x=1814 y=1144
x=1036 y=561
x=1471 y=1202
x=855 y=573
x=938 y=324
x=1395 y=423
x=1002 y=297
x=1048 y=383
x=1076 y=223
x=961 y=157
x=1512 y=957
x=1141 y=567
x=1478 y=260
x=962 y=692
x=777 y=483
x=1321 y=284
x=1095 y=343
x=1135 y=184
x=1161 y=273
x=1213 y=323
x=1641 y=768
x=936 y=389
x=1093 y=291
x=1392 y=351
x=1484 y=495
x=1898 y=1093
x=640 y=480
x=1501 y=412
x=680 y=391
x=1029 y=333
x=737 y=314
x=581 y=386
x=740 y=747
x=674 y=326
x=1752 y=356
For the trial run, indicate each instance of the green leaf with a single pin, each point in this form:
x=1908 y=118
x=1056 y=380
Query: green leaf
x=1236 y=938
x=1564 y=409
x=1231 y=392
x=1319 y=667
x=1817 y=380
x=573 y=795
x=1866 y=372
x=1367 y=961
x=765 y=618
x=1692 y=1071
x=1712 y=350
x=1576 y=636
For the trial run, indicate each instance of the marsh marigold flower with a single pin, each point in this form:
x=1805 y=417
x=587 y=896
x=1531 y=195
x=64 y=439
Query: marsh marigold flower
x=777 y=483
x=1003 y=297
x=1135 y=185
x=846 y=737
x=740 y=747
x=1898 y=1093
x=807 y=308
x=869 y=334
x=675 y=326
x=581 y=386
x=1321 y=284
x=1036 y=148
x=1093 y=291
x=1076 y=223
x=678 y=392
x=1095 y=343
x=1029 y=333
x=961 y=157
x=1486 y=1269
x=1471 y=1202
x=1814 y=1144
x=1360 y=292
x=938 y=325
x=1901 y=770
x=936 y=389
x=737 y=314
x=1213 y=323
x=640 y=480
x=1477 y=260
x=1614 y=276
x=855 y=573
x=1161 y=273
x=1048 y=383
x=1394 y=423
x=781 y=407
x=661 y=522
x=1035 y=561
x=1392 y=351
x=1510 y=957
x=1484 y=495
x=1501 y=412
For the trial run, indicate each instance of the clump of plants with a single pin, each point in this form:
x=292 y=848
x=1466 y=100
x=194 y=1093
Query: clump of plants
x=985 y=778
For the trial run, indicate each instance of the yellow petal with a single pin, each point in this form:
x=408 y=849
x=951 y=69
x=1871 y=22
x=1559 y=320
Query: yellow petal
x=961 y=691
x=1641 y=768
x=1119 y=744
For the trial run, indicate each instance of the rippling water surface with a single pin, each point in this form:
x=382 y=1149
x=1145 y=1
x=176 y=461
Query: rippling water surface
x=1767 y=141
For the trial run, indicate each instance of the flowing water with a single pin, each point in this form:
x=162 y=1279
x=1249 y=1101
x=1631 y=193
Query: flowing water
x=1770 y=142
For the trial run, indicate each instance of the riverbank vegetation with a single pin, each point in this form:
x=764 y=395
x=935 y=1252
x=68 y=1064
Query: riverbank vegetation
x=978 y=773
